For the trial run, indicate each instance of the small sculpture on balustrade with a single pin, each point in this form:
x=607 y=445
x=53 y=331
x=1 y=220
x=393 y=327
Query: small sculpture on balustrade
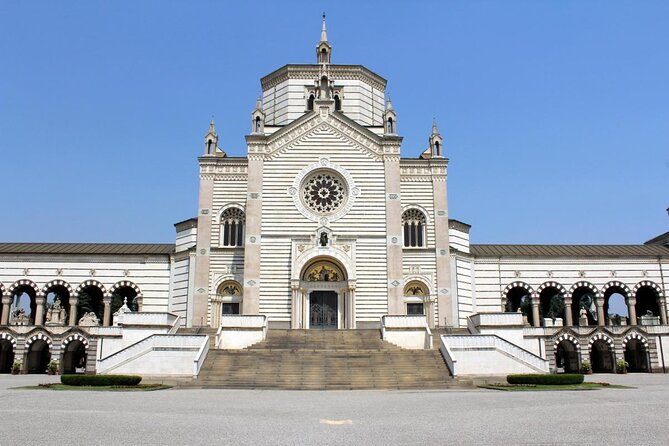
x=89 y=320
x=19 y=317
x=56 y=314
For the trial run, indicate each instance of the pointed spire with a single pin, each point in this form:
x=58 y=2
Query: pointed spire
x=435 y=130
x=259 y=103
x=324 y=31
x=389 y=104
x=212 y=127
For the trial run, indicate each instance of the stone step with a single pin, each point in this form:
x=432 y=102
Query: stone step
x=325 y=360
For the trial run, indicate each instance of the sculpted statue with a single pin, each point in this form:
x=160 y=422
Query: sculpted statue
x=56 y=314
x=89 y=320
x=19 y=317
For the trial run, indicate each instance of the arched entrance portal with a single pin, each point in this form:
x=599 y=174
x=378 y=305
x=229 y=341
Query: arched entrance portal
x=38 y=357
x=566 y=357
x=6 y=355
x=74 y=357
x=636 y=356
x=601 y=357
x=323 y=298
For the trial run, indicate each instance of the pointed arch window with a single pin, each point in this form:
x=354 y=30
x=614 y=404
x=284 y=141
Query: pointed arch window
x=310 y=102
x=232 y=227
x=413 y=223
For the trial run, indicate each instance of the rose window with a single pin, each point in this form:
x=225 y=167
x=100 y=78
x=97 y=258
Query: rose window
x=324 y=192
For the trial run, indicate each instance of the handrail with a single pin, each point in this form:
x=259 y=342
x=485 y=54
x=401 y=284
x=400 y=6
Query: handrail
x=450 y=360
x=494 y=341
x=200 y=357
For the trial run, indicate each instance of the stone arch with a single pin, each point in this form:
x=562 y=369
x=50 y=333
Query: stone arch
x=566 y=349
x=518 y=284
x=583 y=284
x=635 y=335
x=74 y=337
x=600 y=337
x=7 y=352
x=227 y=301
x=25 y=282
x=333 y=254
x=38 y=337
x=335 y=273
x=551 y=284
x=125 y=283
x=417 y=294
x=73 y=353
x=568 y=338
x=91 y=282
x=649 y=284
x=615 y=284
x=57 y=282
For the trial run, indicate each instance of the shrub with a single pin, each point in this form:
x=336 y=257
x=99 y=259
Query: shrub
x=564 y=379
x=100 y=380
x=585 y=366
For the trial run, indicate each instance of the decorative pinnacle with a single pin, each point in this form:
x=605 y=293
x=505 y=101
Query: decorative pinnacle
x=435 y=130
x=389 y=104
x=324 y=32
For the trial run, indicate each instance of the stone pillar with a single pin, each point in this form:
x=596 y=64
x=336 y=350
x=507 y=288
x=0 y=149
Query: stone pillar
x=631 y=308
x=663 y=310
x=296 y=306
x=350 y=307
x=444 y=291
x=503 y=304
x=39 y=310
x=74 y=302
x=391 y=164
x=216 y=310
x=253 y=231
x=305 y=308
x=106 y=316
x=535 y=312
x=203 y=245
x=6 y=309
x=601 y=318
x=569 y=320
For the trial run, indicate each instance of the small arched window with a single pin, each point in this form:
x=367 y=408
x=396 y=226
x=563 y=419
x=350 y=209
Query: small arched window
x=257 y=129
x=391 y=127
x=413 y=222
x=437 y=148
x=337 y=102
x=310 y=102
x=232 y=227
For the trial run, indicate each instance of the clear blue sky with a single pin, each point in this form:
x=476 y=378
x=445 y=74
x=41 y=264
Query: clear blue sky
x=555 y=114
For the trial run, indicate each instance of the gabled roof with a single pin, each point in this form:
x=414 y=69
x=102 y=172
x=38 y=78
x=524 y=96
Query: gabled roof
x=659 y=240
x=569 y=250
x=87 y=248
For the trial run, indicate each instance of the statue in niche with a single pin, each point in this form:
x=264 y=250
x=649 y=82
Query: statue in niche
x=323 y=239
x=19 y=317
x=56 y=314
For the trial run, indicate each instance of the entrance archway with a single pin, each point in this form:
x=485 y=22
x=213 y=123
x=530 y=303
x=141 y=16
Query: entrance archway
x=6 y=355
x=38 y=356
x=520 y=297
x=566 y=357
x=74 y=357
x=601 y=357
x=636 y=356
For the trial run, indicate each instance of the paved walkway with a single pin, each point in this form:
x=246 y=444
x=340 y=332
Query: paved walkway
x=609 y=416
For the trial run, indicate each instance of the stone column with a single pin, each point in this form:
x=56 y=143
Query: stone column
x=216 y=310
x=503 y=304
x=391 y=164
x=350 y=307
x=305 y=308
x=6 y=309
x=39 y=310
x=601 y=318
x=535 y=312
x=74 y=302
x=296 y=306
x=663 y=310
x=631 y=308
x=569 y=320
x=106 y=316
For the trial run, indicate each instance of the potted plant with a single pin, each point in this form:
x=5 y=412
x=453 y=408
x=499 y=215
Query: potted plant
x=52 y=368
x=586 y=368
x=16 y=367
x=622 y=365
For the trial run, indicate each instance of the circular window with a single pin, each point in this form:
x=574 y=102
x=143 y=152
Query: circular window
x=324 y=192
